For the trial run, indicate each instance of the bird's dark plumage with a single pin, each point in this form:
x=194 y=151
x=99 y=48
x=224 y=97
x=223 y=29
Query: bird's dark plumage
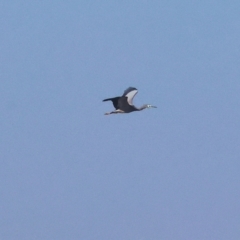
x=124 y=103
x=114 y=101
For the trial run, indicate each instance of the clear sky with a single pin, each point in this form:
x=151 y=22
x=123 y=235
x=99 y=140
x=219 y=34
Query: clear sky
x=70 y=172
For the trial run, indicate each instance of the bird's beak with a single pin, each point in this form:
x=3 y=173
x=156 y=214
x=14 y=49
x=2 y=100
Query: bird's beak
x=153 y=106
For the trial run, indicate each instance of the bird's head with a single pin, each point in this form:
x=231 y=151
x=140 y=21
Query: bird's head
x=147 y=106
x=150 y=106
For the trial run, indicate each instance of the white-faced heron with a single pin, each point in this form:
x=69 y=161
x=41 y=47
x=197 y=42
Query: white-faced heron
x=124 y=103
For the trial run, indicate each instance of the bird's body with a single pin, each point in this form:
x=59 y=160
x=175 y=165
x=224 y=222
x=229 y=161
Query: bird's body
x=124 y=103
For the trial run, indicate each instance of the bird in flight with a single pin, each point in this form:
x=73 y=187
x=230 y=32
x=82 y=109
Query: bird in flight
x=124 y=103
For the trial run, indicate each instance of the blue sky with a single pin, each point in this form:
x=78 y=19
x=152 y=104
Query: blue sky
x=70 y=172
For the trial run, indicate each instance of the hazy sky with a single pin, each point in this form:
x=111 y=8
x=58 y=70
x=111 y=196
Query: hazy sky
x=70 y=172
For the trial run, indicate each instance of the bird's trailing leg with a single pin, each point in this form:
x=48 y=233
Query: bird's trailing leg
x=116 y=111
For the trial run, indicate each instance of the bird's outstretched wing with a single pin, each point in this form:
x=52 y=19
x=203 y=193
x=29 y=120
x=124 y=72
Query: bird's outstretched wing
x=130 y=94
x=114 y=101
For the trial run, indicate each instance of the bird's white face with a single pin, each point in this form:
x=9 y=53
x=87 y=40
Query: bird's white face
x=150 y=106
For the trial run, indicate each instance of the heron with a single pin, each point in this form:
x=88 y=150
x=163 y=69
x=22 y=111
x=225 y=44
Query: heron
x=124 y=103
